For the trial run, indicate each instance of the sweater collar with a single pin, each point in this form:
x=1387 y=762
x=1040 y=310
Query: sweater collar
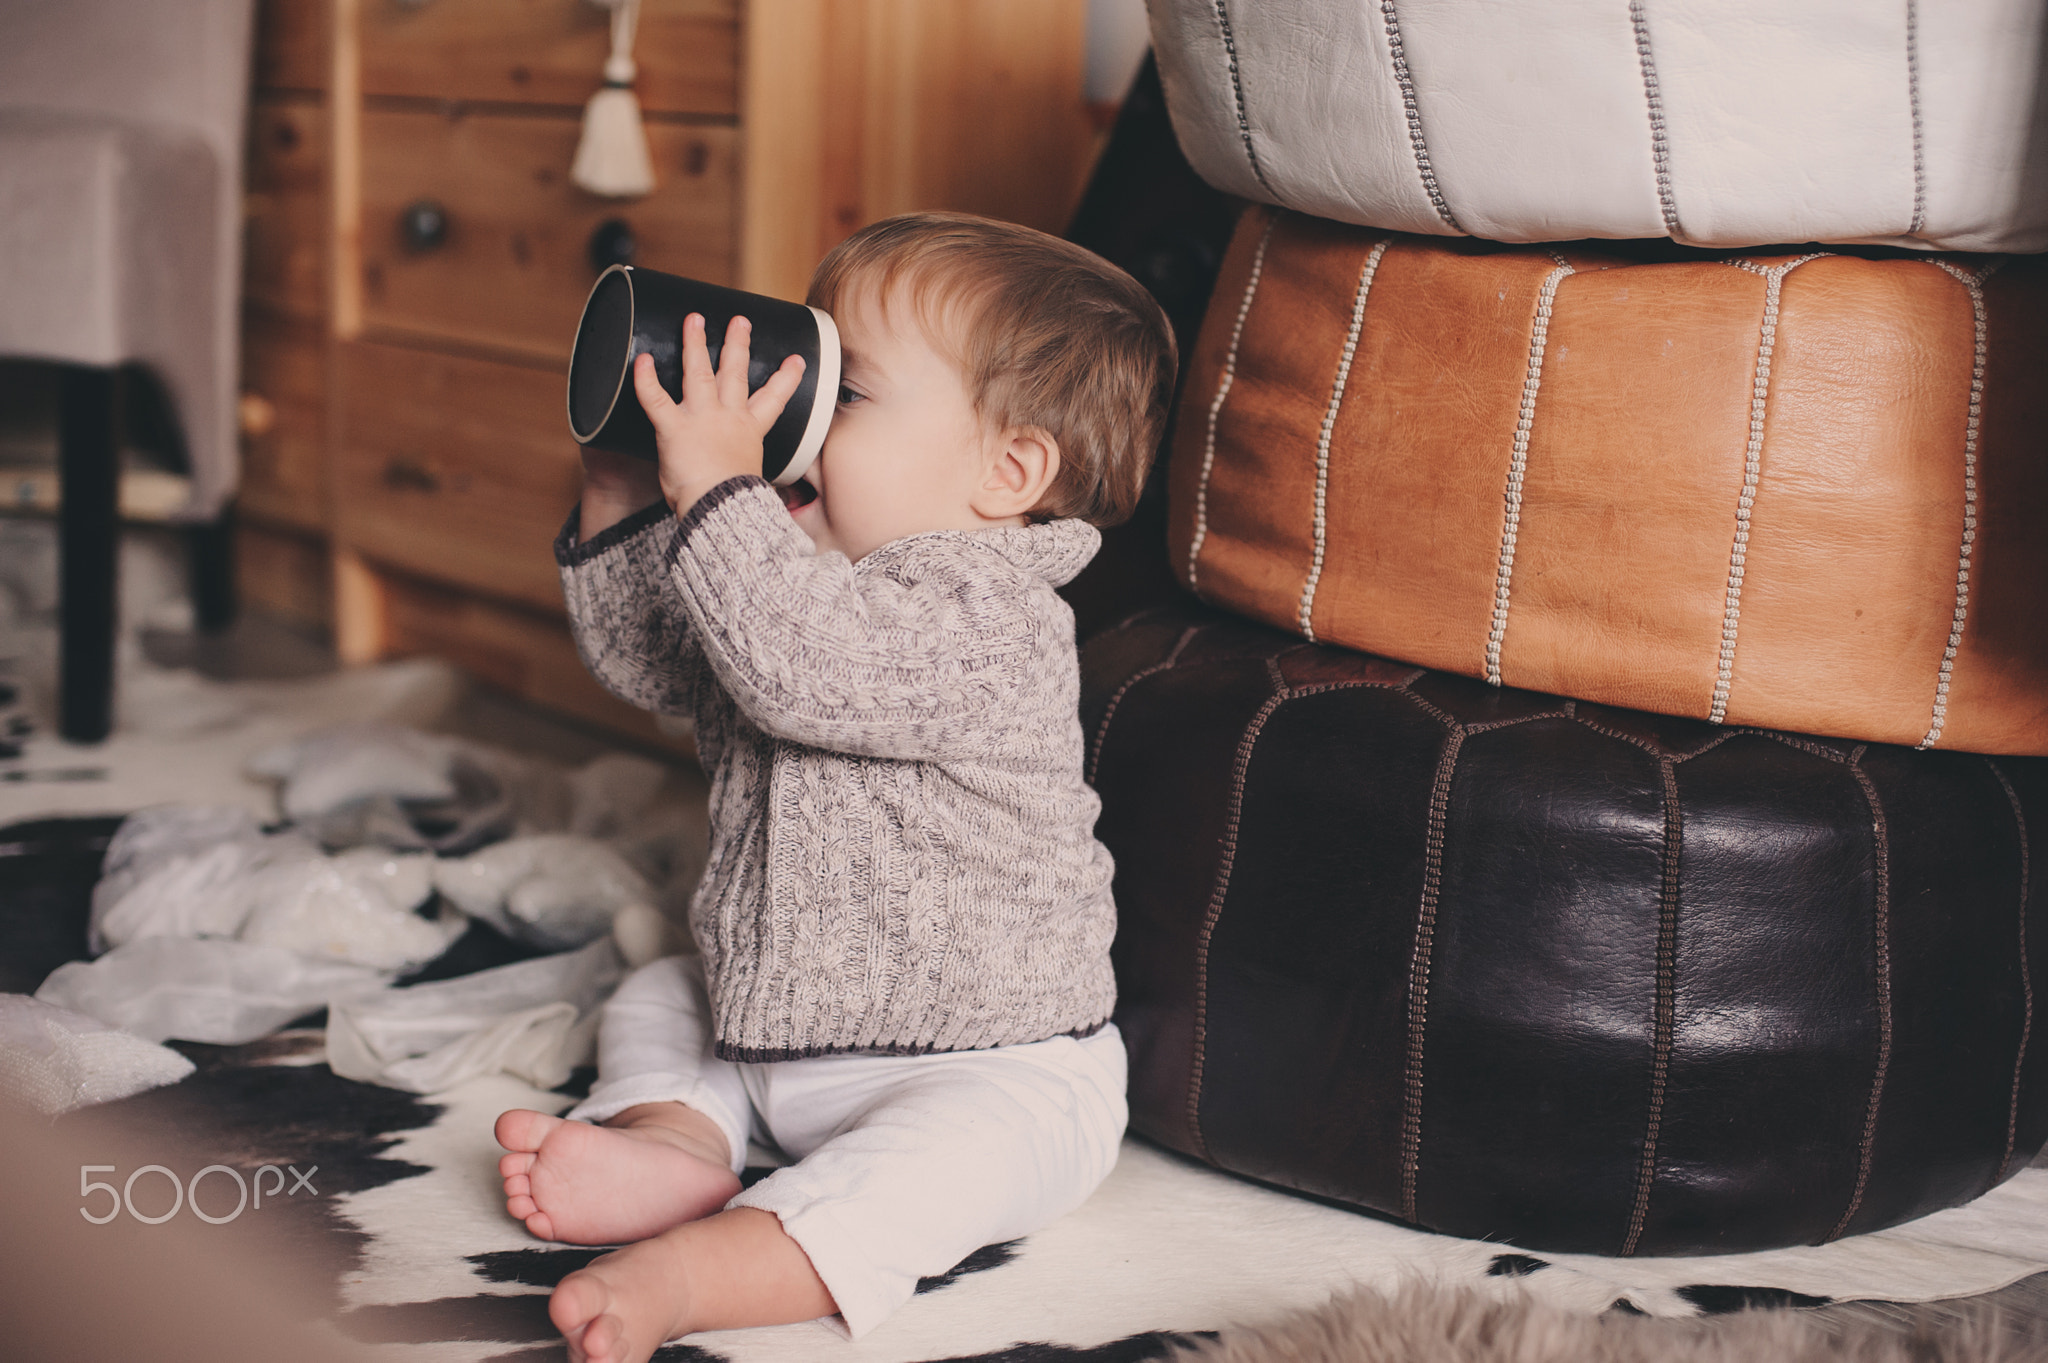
x=1053 y=550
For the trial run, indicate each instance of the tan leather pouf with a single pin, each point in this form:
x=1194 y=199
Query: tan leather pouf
x=1804 y=491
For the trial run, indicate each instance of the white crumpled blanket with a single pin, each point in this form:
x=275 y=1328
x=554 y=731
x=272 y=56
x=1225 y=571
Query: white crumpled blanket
x=54 y=1060
x=211 y=929
x=536 y=1020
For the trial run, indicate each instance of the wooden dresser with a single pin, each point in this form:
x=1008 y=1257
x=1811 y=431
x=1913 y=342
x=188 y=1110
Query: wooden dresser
x=417 y=259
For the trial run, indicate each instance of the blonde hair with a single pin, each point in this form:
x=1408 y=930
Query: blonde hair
x=1046 y=333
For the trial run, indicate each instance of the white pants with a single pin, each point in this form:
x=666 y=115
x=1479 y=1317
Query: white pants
x=905 y=1165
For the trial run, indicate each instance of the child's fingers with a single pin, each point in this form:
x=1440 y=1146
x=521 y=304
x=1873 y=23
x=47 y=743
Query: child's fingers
x=733 y=361
x=700 y=382
x=654 y=399
x=774 y=395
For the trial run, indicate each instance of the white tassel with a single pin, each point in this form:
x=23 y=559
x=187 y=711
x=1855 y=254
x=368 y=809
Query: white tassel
x=612 y=158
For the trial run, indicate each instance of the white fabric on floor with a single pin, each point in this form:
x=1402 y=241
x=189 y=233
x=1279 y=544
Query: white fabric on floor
x=54 y=1060
x=536 y=1020
x=202 y=988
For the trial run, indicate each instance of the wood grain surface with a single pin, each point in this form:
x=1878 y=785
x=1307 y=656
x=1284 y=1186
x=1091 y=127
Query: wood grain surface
x=514 y=271
x=284 y=464
x=284 y=262
x=453 y=468
x=550 y=52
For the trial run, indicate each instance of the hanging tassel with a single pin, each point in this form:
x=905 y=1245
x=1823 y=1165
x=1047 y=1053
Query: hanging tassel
x=612 y=158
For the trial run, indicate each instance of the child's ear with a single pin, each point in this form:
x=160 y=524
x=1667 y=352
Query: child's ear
x=1020 y=471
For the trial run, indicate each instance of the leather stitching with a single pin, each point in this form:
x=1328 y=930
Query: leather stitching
x=1244 y=122
x=1658 y=750
x=1752 y=469
x=1518 y=464
x=1919 y=222
x=1882 y=952
x=1414 y=112
x=1667 y=1004
x=1974 y=282
x=1215 y=912
x=1660 y=140
x=1116 y=697
x=1321 y=523
x=1223 y=384
x=1418 y=970
x=2012 y=1120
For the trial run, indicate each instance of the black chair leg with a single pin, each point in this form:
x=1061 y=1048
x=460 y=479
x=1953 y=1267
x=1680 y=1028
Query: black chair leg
x=211 y=547
x=88 y=459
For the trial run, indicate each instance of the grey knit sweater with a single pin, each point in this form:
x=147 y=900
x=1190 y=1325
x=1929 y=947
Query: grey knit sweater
x=902 y=855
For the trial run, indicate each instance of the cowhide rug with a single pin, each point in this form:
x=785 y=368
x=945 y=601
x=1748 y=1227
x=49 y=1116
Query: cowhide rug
x=403 y=1211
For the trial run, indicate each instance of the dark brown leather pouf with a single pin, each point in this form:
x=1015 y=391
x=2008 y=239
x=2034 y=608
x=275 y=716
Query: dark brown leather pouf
x=1584 y=979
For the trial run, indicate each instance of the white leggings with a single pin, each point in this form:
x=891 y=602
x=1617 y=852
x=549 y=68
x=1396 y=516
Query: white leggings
x=905 y=1165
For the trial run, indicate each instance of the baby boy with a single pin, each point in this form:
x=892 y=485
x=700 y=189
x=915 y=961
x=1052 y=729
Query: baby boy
x=903 y=977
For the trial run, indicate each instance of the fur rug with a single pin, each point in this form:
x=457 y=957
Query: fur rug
x=423 y=1264
x=1429 y=1325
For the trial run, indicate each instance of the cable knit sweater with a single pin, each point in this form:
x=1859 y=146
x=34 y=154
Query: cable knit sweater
x=902 y=855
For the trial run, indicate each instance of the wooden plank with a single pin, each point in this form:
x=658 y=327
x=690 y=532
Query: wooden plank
x=284 y=420
x=454 y=469
x=362 y=608
x=528 y=654
x=550 y=52
x=284 y=261
x=977 y=106
x=786 y=120
x=279 y=570
x=857 y=110
x=292 y=39
x=345 y=165
x=514 y=271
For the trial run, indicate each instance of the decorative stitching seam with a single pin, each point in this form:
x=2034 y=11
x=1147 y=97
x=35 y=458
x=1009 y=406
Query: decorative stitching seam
x=1752 y=468
x=2012 y=1120
x=1414 y=112
x=1667 y=1006
x=1656 y=750
x=1244 y=122
x=1223 y=385
x=1518 y=463
x=1919 y=222
x=1418 y=971
x=1974 y=282
x=1213 y=913
x=1660 y=140
x=1882 y=953
x=1321 y=523
x=1116 y=697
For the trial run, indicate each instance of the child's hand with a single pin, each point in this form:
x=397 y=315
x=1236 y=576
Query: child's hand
x=715 y=432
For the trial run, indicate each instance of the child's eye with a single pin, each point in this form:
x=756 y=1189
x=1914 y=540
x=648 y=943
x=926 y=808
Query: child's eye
x=847 y=395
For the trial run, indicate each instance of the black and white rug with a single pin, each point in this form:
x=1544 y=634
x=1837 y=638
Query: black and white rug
x=402 y=1210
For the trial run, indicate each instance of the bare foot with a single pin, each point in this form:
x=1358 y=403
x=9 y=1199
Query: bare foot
x=601 y=1185
x=620 y=1308
x=735 y=1269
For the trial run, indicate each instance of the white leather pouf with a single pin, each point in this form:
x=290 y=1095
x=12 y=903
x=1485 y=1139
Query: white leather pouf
x=1722 y=123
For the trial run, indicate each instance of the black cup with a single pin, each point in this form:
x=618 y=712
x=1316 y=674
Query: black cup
x=631 y=310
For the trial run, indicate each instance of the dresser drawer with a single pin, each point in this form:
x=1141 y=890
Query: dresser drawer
x=292 y=43
x=284 y=205
x=550 y=51
x=453 y=468
x=513 y=268
x=284 y=471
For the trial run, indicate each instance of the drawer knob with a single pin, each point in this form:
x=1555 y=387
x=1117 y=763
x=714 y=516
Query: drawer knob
x=423 y=225
x=612 y=243
x=406 y=475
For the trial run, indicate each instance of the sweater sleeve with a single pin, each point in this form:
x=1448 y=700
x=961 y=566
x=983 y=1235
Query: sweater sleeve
x=919 y=657
x=630 y=627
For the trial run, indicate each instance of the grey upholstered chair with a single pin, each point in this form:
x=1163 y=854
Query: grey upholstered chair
x=121 y=132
